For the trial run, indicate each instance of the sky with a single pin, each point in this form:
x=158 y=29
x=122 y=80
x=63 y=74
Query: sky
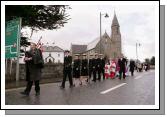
x=137 y=25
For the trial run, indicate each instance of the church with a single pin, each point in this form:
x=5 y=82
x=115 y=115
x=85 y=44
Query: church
x=110 y=47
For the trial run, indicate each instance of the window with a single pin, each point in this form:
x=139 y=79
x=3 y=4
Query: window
x=58 y=55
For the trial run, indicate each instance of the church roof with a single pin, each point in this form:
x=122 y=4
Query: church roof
x=115 y=21
x=52 y=49
x=78 y=48
x=93 y=44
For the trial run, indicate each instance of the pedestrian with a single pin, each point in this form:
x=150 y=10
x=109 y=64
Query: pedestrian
x=102 y=70
x=112 y=68
x=84 y=68
x=132 y=67
x=34 y=64
x=122 y=64
x=146 y=66
x=127 y=67
x=67 y=69
x=99 y=67
x=90 y=69
x=76 y=69
x=94 y=65
x=107 y=70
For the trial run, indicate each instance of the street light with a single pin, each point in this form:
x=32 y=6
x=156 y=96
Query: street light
x=137 y=44
x=106 y=16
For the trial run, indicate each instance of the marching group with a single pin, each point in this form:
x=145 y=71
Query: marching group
x=97 y=65
x=76 y=69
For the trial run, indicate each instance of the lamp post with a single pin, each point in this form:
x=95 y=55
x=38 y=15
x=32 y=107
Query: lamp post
x=137 y=44
x=106 y=16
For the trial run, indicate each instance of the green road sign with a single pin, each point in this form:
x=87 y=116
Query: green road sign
x=12 y=38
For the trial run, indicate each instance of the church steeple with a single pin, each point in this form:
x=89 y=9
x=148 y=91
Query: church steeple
x=115 y=21
x=115 y=28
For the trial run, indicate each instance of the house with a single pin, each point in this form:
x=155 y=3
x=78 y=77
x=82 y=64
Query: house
x=53 y=54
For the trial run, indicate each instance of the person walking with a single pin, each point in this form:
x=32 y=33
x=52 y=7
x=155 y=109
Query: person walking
x=90 y=68
x=94 y=66
x=132 y=67
x=122 y=65
x=67 y=70
x=76 y=69
x=102 y=67
x=84 y=68
x=99 y=66
x=34 y=64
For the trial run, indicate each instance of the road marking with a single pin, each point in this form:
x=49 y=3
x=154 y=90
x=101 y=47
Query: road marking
x=111 y=89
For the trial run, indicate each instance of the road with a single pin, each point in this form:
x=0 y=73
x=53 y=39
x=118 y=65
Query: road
x=136 y=90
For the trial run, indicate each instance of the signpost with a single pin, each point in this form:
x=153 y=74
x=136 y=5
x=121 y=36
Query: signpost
x=12 y=41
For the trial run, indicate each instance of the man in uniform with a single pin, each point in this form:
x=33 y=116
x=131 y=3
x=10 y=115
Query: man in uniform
x=94 y=66
x=67 y=69
x=99 y=67
x=76 y=69
x=102 y=65
x=90 y=67
x=122 y=64
x=84 y=67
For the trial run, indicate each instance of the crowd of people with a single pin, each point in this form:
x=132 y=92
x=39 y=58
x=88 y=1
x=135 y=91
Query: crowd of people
x=78 y=69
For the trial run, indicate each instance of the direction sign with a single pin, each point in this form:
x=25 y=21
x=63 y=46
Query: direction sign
x=12 y=38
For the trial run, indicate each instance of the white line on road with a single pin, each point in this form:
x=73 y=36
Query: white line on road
x=108 y=90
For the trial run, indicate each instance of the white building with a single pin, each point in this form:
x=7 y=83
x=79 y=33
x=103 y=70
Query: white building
x=53 y=54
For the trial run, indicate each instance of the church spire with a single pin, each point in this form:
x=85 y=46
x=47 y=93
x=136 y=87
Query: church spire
x=115 y=20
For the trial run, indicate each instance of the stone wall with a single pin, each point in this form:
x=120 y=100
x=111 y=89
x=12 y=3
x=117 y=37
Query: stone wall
x=50 y=70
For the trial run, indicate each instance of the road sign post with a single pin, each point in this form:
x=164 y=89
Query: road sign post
x=12 y=41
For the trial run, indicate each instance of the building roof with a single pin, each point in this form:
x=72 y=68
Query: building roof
x=78 y=48
x=93 y=44
x=52 y=49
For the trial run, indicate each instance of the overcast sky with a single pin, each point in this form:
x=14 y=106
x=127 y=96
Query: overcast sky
x=137 y=24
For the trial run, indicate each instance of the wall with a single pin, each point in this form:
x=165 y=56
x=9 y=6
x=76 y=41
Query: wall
x=49 y=71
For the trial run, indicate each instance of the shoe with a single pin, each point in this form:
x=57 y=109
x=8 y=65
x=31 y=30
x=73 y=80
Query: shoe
x=120 y=78
x=37 y=93
x=71 y=86
x=94 y=80
x=61 y=87
x=24 y=93
x=80 y=83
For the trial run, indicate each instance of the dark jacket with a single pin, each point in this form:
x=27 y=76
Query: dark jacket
x=102 y=63
x=76 y=68
x=132 y=66
x=84 y=67
x=34 y=69
x=94 y=64
x=68 y=63
x=122 y=63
